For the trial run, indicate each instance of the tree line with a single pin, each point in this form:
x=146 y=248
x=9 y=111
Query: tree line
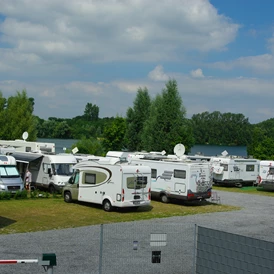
x=151 y=124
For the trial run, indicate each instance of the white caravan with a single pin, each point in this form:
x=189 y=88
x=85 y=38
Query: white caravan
x=49 y=172
x=109 y=182
x=234 y=170
x=266 y=175
x=10 y=179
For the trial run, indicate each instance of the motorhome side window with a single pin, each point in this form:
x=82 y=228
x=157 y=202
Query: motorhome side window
x=153 y=173
x=250 y=167
x=225 y=166
x=90 y=178
x=179 y=173
x=46 y=167
x=136 y=182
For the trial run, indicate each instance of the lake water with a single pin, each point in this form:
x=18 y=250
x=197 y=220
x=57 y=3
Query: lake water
x=207 y=150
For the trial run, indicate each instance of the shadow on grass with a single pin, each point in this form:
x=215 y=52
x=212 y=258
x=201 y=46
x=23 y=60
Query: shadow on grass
x=6 y=222
x=117 y=209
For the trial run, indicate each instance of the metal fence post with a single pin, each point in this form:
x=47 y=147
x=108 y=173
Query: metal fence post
x=195 y=247
x=101 y=249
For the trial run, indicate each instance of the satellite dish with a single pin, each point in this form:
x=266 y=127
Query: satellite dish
x=179 y=150
x=224 y=153
x=25 y=135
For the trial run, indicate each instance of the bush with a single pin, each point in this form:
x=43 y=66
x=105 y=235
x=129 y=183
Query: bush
x=21 y=194
x=5 y=195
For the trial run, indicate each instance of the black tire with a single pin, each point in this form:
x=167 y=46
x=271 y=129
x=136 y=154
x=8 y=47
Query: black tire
x=67 y=197
x=51 y=189
x=107 y=205
x=164 y=198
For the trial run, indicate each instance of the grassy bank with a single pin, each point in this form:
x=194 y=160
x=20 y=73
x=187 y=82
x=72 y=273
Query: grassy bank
x=53 y=213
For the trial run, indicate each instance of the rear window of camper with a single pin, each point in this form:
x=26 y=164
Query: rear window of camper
x=153 y=173
x=136 y=182
x=225 y=166
x=179 y=173
x=250 y=167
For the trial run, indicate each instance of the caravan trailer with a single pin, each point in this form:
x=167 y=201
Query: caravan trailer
x=266 y=175
x=109 y=182
x=49 y=171
x=10 y=179
x=234 y=170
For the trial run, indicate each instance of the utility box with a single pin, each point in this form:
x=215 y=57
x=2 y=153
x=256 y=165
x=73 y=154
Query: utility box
x=50 y=257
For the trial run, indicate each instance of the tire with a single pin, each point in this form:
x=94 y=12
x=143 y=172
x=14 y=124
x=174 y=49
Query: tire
x=67 y=197
x=51 y=189
x=164 y=199
x=107 y=206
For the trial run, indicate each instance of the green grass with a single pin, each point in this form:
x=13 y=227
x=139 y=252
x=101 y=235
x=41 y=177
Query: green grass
x=42 y=214
x=247 y=189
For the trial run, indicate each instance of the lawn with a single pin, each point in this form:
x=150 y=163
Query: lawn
x=40 y=214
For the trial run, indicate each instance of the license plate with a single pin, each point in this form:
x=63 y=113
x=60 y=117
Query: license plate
x=136 y=202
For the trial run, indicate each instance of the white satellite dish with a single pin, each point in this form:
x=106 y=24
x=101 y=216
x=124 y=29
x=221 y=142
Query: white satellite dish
x=179 y=150
x=25 y=135
x=75 y=150
x=224 y=153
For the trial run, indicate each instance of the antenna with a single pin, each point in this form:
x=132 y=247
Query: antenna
x=179 y=150
x=25 y=135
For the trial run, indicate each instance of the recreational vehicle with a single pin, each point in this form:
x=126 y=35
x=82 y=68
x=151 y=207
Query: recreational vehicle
x=10 y=179
x=266 y=175
x=173 y=178
x=49 y=171
x=109 y=182
x=234 y=171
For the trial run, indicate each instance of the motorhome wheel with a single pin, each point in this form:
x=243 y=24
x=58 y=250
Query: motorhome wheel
x=107 y=205
x=51 y=189
x=67 y=197
x=164 y=198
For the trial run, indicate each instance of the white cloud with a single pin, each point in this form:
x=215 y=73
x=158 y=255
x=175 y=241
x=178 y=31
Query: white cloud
x=105 y=31
x=158 y=74
x=198 y=73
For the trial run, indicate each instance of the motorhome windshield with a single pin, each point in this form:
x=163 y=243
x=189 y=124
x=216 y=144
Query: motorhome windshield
x=63 y=169
x=9 y=171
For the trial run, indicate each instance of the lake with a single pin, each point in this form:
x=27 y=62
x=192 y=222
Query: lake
x=207 y=150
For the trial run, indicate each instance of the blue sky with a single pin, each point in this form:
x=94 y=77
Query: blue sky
x=70 y=53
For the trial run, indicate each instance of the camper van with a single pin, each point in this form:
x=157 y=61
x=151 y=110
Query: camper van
x=234 y=170
x=175 y=178
x=10 y=179
x=49 y=171
x=109 y=182
x=266 y=175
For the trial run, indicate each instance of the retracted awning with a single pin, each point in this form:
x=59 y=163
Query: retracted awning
x=26 y=157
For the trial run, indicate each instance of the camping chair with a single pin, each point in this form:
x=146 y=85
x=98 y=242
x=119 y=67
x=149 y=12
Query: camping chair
x=215 y=197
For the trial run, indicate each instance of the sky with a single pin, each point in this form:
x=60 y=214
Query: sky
x=66 y=54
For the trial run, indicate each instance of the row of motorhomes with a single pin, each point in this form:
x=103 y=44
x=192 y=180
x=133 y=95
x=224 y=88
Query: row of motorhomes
x=127 y=179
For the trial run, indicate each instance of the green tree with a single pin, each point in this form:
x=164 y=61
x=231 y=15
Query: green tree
x=20 y=118
x=264 y=150
x=90 y=146
x=167 y=124
x=136 y=118
x=114 y=135
x=91 y=112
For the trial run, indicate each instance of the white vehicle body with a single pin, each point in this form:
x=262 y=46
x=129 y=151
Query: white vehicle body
x=28 y=146
x=110 y=183
x=175 y=178
x=10 y=179
x=266 y=175
x=234 y=170
x=50 y=172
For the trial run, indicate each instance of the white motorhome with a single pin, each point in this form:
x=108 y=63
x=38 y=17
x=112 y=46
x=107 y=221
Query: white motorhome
x=175 y=178
x=266 y=175
x=49 y=171
x=10 y=179
x=109 y=182
x=234 y=170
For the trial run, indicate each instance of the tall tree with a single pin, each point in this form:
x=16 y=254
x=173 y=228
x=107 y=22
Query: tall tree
x=91 y=112
x=20 y=118
x=136 y=118
x=167 y=124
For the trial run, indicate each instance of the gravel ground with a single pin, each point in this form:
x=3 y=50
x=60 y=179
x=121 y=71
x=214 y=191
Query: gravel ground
x=77 y=249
